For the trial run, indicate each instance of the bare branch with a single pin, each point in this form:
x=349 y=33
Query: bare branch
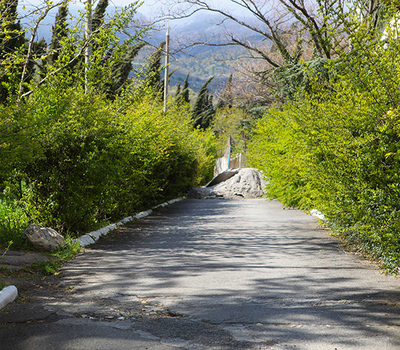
x=32 y=38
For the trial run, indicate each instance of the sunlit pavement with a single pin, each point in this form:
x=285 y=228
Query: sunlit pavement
x=216 y=274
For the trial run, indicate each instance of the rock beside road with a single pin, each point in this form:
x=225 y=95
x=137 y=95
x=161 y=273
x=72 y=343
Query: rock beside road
x=235 y=183
x=44 y=238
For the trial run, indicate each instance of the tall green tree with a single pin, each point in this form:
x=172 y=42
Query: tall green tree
x=226 y=98
x=153 y=72
x=178 y=90
x=203 y=110
x=11 y=34
x=60 y=32
x=11 y=39
x=99 y=14
x=185 y=90
x=120 y=70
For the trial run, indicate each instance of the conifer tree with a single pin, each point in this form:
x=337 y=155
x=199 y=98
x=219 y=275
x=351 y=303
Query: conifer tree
x=185 y=90
x=178 y=93
x=97 y=21
x=11 y=35
x=153 y=73
x=99 y=14
x=178 y=90
x=120 y=71
x=60 y=31
x=209 y=112
x=11 y=38
x=203 y=110
x=226 y=98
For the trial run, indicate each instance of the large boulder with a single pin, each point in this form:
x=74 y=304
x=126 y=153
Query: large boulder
x=44 y=238
x=237 y=183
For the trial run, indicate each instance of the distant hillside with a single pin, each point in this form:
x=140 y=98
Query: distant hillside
x=204 y=61
x=201 y=61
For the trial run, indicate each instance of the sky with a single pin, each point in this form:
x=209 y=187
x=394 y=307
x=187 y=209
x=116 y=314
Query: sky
x=152 y=9
x=149 y=7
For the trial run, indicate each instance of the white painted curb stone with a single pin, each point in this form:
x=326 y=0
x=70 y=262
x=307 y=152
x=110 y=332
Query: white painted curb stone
x=318 y=214
x=8 y=295
x=94 y=236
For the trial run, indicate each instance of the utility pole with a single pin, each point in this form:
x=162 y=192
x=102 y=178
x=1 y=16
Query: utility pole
x=166 y=73
x=88 y=34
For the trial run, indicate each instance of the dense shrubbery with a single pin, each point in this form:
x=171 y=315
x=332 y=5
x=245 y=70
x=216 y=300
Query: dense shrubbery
x=72 y=161
x=83 y=144
x=336 y=147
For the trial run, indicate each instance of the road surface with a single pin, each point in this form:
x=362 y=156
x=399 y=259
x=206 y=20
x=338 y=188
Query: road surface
x=213 y=274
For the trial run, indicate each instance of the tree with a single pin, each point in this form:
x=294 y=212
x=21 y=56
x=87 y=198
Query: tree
x=97 y=22
x=153 y=72
x=203 y=110
x=98 y=15
x=178 y=89
x=226 y=98
x=11 y=34
x=11 y=39
x=182 y=93
x=376 y=13
x=271 y=25
x=111 y=58
x=60 y=32
x=285 y=33
x=185 y=90
x=120 y=70
x=178 y=92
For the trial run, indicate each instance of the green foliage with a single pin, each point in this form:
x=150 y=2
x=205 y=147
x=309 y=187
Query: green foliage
x=120 y=70
x=152 y=76
x=56 y=258
x=185 y=90
x=226 y=98
x=11 y=39
x=74 y=159
x=11 y=34
x=60 y=32
x=182 y=93
x=178 y=91
x=91 y=160
x=13 y=220
x=294 y=79
x=203 y=110
x=99 y=14
x=336 y=147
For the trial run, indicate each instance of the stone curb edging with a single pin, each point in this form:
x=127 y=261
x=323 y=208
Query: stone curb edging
x=10 y=293
x=318 y=214
x=94 y=236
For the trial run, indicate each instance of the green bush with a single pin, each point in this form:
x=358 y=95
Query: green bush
x=336 y=147
x=85 y=160
x=13 y=221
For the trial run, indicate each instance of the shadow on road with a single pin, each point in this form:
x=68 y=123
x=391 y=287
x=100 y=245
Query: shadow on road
x=248 y=267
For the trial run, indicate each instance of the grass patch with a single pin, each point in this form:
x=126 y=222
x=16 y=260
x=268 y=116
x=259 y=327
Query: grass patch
x=38 y=270
x=13 y=221
x=56 y=259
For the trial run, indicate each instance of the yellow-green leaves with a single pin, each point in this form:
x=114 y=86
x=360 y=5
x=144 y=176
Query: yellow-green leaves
x=337 y=147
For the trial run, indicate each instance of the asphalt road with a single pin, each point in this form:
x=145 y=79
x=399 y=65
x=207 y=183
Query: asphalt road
x=213 y=274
